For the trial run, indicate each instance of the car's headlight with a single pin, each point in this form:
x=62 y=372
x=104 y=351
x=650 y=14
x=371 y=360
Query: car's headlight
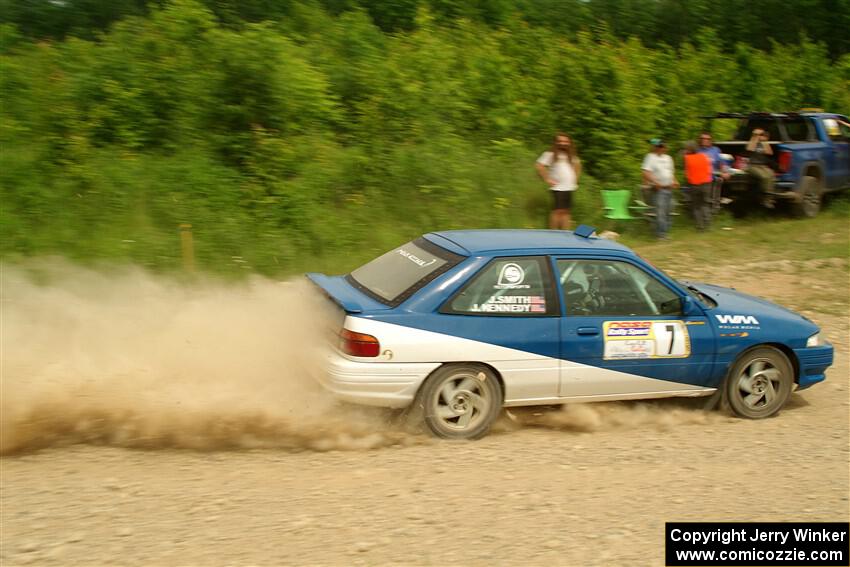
x=814 y=340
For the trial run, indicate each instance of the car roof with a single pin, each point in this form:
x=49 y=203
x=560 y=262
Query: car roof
x=794 y=114
x=822 y=114
x=523 y=241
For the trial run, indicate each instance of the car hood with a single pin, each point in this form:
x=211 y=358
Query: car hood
x=733 y=303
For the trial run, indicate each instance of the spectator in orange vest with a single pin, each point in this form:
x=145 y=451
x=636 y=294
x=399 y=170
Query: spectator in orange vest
x=699 y=175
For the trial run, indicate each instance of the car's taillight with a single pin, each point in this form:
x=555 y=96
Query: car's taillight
x=358 y=344
x=785 y=161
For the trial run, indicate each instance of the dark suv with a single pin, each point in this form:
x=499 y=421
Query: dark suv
x=811 y=156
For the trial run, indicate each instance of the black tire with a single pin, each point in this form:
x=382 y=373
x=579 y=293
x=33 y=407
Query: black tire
x=811 y=197
x=460 y=401
x=741 y=207
x=759 y=383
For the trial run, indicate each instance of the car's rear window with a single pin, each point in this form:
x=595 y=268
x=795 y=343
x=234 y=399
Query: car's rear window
x=798 y=129
x=396 y=275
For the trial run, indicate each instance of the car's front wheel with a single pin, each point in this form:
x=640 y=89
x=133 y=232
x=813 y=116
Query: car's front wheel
x=759 y=383
x=460 y=401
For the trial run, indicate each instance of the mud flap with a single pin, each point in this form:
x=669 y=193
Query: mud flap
x=715 y=400
x=719 y=399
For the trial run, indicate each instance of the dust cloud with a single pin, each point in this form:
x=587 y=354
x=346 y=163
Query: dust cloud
x=126 y=358
x=614 y=416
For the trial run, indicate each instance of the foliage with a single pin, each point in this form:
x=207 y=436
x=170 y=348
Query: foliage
x=331 y=132
x=653 y=22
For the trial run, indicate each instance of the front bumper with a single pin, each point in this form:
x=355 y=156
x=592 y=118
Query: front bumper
x=384 y=384
x=813 y=364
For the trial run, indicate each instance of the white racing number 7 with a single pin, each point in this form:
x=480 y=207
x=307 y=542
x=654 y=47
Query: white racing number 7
x=671 y=338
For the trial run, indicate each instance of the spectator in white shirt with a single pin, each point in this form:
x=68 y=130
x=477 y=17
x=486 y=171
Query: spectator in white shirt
x=659 y=174
x=560 y=168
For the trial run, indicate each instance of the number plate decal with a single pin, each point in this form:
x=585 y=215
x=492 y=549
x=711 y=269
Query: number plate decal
x=646 y=339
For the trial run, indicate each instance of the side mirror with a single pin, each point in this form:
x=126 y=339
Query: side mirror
x=688 y=306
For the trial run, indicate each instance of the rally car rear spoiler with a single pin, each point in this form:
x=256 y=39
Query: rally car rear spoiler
x=338 y=290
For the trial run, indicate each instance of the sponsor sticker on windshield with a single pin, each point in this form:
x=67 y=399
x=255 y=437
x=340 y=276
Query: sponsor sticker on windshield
x=416 y=259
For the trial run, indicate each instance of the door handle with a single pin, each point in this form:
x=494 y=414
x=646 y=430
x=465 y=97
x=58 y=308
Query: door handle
x=588 y=330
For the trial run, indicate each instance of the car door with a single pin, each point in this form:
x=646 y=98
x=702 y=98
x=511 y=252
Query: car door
x=842 y=145
x=838 y=155
x=625 y=331
x=509 y=308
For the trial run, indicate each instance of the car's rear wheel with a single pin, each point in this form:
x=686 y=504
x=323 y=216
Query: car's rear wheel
x=811 y=195
x=742 y=205
x=460 y=401
x=759 y=383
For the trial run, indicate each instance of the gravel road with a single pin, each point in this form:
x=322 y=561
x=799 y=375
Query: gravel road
x=592 y=485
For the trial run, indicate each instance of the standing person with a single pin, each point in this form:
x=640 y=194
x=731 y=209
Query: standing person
x=761 y=155
x=698 y=172
x=560 y=168
x=720 y=169
x=658 y=172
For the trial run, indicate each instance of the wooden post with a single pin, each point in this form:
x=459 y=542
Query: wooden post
x=187 y=247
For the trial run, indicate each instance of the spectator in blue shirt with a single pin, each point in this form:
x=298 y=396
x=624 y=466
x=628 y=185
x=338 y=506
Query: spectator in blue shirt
x=718 y=166
x=706 y=146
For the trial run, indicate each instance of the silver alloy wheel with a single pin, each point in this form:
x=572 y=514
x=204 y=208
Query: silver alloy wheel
x=759 y=384
x=462 y=401
x=459 y=400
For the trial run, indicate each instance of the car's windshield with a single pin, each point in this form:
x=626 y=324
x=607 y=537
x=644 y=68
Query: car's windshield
x=392 y=277
x=692 y=291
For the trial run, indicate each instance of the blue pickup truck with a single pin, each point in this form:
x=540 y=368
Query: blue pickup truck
x=811 y=157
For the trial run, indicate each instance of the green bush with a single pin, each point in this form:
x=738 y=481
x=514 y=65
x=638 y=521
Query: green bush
x=320 y=139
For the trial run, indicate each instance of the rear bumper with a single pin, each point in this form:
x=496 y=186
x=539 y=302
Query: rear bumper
x=787 y=190
x=813 y=364
x=384 y=384
x=744 y=185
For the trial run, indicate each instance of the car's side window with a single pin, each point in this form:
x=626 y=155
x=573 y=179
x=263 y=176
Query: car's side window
x=745 y=130
x=612 y=288
x=517 y=286
x=799 y=130
x=833 y=129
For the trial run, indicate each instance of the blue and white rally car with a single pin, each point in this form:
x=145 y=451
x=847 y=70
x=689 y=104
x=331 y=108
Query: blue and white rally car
x=461 y=323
